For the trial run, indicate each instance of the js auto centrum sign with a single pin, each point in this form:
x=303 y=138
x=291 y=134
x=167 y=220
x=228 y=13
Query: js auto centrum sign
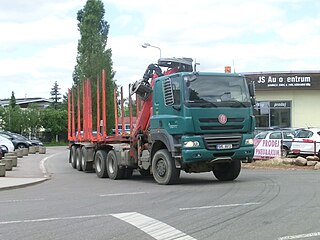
x=284 y=80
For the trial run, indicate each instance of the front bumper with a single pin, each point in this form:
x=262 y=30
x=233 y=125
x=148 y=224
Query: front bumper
x=200 y=155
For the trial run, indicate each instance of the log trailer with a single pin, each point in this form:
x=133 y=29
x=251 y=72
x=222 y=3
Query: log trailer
x=186 y=120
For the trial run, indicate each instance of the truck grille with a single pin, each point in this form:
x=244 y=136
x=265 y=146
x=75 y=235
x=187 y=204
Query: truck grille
x=212 y=141
x=215 y=120
x=213 y=124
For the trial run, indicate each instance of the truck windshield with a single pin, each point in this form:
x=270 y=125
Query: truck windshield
x=215 y=91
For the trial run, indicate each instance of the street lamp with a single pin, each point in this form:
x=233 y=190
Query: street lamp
x=145 y=45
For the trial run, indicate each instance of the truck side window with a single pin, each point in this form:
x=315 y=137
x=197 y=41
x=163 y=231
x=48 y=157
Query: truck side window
x=176 y=90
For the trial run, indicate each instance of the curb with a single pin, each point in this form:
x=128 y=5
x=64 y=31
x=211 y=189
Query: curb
x=22 y=185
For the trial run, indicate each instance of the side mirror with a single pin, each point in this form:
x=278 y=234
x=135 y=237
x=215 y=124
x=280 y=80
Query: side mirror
x=252 y=89
x=252 y=93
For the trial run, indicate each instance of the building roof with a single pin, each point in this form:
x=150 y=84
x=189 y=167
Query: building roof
x=24 y=102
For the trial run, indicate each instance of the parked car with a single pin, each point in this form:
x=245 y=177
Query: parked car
x=6 y=145
x=18 y=141
x=285 y=135
x=36 y=142
x=306 y=142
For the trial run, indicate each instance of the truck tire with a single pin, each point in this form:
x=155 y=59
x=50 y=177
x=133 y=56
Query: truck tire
x=114 y=170
x=163 y=168
x=100 y=164
x=227 y=171
x=86 y=166
x=78 y=159
x=73 y=156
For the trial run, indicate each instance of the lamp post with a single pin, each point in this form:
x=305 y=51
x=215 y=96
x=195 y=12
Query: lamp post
x=145 y=45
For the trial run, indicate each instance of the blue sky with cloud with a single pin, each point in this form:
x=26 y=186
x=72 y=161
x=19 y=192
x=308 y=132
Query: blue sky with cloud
x=38 y=40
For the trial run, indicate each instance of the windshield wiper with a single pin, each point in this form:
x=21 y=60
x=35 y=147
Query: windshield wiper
x=203 y=103
x=236 y=101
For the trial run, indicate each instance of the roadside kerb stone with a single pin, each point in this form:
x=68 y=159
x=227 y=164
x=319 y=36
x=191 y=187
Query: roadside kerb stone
x=317 y=166
x=37 y=148
x=8 y=163
x=25 y=151
x=11 y=154
x=32 y=150
x=42 y=150
x=2 y=169
x=19 y=153
x=13 y=158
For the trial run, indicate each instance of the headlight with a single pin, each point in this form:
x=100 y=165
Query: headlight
x=190 y=144
x=30 y=143
x=249 y=141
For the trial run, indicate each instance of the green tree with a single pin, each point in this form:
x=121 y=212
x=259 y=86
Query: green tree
x=13 y=119
x=55 y=95
x=93 y=55
x=2 y=116
x=12 y=100
x=55 y=122
x=32 y=121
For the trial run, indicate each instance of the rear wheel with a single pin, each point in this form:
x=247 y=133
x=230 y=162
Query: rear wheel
x=114 y=170
x=86 y=166
x=100 y=164
x=284 y=151
x=78 y=159
x=227 y=171
x=73 y=156
x=163 y=168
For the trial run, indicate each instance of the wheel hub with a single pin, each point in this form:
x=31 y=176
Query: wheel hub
x=99 y=165
x=111 y=165
x=161 y=168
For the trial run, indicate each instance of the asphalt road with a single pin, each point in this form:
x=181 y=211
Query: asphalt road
x=260 y=204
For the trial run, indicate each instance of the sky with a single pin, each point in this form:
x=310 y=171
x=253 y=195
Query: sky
x=38 y=39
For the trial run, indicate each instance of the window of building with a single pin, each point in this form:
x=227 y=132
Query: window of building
x=273 y=114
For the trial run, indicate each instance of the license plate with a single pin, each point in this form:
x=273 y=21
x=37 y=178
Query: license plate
x=224 y=146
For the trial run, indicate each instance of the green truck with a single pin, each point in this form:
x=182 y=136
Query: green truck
x=191 y=121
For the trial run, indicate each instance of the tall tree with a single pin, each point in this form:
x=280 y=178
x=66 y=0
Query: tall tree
x=55 y=95
x=93 y=54
x=12 y=100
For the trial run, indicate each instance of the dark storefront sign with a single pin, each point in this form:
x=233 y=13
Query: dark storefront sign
x=280 y=104
x=285 y=80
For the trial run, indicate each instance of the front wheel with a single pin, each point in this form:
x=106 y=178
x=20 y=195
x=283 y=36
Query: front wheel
x=21 y=145
x=227 y=171
x=163 y=168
